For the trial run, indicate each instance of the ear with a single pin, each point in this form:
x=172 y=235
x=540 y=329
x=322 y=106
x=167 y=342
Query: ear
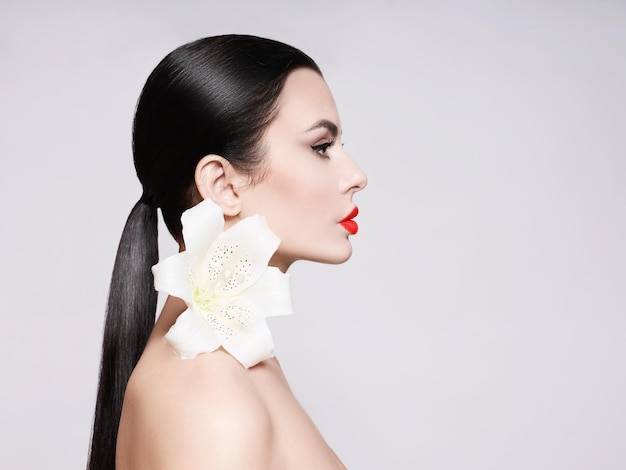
x=216 y=179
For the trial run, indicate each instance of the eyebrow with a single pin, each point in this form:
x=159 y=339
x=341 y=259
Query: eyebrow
x=326 y=124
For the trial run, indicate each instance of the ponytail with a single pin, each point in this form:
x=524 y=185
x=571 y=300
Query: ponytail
x=216 y=95
x=129 y=320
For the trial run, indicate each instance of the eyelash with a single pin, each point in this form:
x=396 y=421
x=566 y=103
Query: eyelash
x=321 y=149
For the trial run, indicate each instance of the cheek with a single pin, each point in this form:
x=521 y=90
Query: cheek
x=302 y=185
x=299 y=207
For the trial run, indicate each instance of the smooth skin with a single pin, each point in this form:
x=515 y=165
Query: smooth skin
x=210 y=412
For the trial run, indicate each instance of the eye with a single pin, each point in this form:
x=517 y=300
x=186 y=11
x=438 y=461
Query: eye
x=321 y=149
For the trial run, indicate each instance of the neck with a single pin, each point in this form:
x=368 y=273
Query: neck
x=171 y=310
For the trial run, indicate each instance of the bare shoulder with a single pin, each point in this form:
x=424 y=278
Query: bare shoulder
x=199 y=413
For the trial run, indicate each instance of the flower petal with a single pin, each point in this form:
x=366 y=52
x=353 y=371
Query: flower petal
x=191 y=335
x=243 y=252
x=251 y=344
x=272 y=293
x=202 y=224
x=171 y=275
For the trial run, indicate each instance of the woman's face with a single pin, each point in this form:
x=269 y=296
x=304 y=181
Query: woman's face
x=309 y=180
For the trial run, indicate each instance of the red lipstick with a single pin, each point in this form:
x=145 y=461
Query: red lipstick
x=349 y=224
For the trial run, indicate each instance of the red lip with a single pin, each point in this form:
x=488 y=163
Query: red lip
x=349 y=224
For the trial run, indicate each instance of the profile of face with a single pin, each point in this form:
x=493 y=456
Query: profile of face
x=309 y=180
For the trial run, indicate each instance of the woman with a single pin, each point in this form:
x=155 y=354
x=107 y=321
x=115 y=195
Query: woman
x=235 y=139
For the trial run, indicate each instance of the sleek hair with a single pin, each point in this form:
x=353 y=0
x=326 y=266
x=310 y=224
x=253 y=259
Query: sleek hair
x=216 y=95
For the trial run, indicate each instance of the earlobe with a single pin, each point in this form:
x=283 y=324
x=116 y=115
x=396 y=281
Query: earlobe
x=214 y=178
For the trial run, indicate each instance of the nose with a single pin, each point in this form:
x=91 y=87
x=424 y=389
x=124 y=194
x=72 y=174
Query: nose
x=353 y=179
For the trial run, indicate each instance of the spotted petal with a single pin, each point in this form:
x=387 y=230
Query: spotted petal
x=191 y=335
x=239 y=256
x=252 y=344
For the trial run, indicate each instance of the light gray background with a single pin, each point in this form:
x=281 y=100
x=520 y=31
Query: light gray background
x=480 y=322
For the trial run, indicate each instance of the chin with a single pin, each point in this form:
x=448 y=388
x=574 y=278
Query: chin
x=338 y=257
x=335 y=254
x=340 y=260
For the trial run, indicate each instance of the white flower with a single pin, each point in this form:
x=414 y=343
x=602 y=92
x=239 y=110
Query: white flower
x=229 y=290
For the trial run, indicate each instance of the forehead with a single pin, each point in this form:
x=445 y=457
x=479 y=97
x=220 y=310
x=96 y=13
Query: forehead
x=304 y=100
